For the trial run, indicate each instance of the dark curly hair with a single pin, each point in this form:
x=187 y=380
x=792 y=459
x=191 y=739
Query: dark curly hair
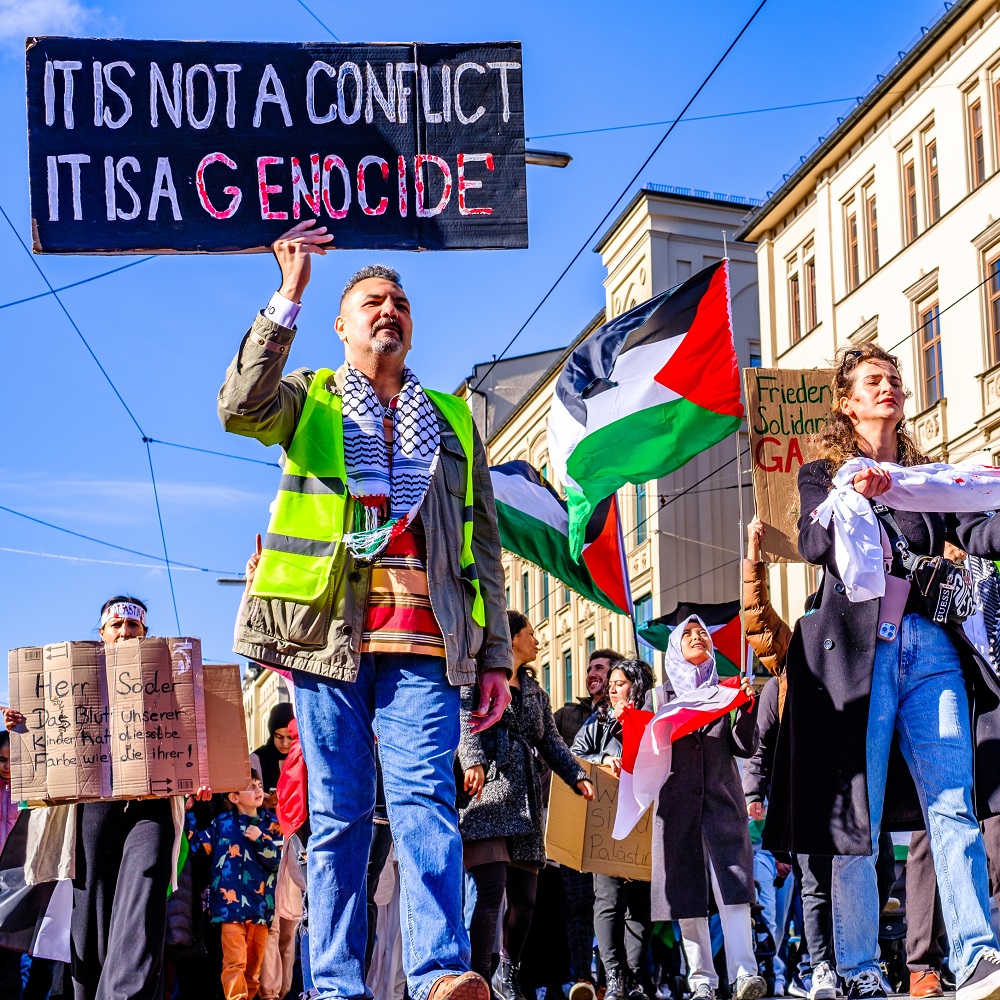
x=838 y=442
x=640 y=675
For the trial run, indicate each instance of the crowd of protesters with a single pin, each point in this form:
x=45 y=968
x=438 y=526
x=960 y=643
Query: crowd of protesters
x=391 y=838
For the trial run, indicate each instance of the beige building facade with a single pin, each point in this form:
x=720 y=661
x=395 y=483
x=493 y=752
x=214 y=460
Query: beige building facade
x=890 y=232
x=262 y=690
x=682 y=531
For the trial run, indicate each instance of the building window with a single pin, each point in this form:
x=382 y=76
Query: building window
x=591 y=646
x=545 y=595
x=910 y=200
x=996 y=115
x=930 y=354
x=853 y=254
x=643 y=613
x=933 y=185
x=547 y=678
x=568 y=674
x=993 y=308
x=794 y=306
x=525 y=591
x=544 y=470
x=506 y=595
x=641 y=527
x=755 y=358
x=809 y=270
x=565 y=599
x=977 y=146
x=871 y=228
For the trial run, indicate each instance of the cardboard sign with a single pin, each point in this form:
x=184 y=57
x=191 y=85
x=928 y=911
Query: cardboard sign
x=578 y=832
x=141 y=718
x=786 y=410
x=157 y=146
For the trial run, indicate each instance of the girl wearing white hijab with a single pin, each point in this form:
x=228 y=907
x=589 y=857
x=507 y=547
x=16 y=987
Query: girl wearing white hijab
x=700 y=825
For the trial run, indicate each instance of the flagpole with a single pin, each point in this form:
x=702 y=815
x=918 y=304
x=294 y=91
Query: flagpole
x=739 y=541
x=739 y=551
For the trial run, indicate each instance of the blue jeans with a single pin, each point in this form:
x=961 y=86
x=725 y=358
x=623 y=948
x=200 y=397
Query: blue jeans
x=918 y=690
x=775 y=903
x=414 y=712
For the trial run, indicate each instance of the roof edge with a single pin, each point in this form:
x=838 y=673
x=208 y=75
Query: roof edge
x=873 y=105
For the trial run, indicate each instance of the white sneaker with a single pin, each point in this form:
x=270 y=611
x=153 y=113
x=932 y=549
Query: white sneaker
x=824 y=983
x=703 y=992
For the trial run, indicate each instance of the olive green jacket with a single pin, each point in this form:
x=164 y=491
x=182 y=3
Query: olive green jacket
x=324 y=637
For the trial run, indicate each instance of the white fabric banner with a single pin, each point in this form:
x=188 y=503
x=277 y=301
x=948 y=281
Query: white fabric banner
x=965 y=488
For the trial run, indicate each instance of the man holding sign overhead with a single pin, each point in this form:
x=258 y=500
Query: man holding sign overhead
x=380 y=586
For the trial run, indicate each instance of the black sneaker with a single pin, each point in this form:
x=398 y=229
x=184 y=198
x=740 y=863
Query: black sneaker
x=634 y=990
x=984 y=983
x=866 y=985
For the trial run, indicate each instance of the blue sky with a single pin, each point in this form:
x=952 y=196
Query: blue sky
x=166 y=329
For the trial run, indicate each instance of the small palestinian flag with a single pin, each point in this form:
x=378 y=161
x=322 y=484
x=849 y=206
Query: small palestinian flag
x=723 y=621
x=534 y=525
x=647 y=745
x=645 y=393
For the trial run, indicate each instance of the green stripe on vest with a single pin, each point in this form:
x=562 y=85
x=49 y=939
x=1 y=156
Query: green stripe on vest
x=312 y=509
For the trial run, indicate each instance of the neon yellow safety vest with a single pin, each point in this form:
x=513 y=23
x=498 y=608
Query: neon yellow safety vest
x=310 y=512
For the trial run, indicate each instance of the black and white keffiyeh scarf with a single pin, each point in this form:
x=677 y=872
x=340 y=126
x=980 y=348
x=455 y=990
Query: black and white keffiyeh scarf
x=387 y=502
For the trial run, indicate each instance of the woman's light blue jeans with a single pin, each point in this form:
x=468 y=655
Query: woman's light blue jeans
x=918 y=690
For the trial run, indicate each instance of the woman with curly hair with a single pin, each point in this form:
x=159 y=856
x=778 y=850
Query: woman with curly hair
x=876 y=683
x=500 y=809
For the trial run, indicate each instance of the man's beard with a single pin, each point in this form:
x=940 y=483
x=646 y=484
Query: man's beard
x=386 y=347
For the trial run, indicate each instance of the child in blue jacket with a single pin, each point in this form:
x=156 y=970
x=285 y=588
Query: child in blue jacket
x=241 y=895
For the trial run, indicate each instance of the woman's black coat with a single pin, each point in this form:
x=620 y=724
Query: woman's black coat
x=701 y=806
x=819 y=790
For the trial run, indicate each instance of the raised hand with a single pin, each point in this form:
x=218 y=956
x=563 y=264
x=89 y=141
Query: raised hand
x=755 y=535
x=293 y=251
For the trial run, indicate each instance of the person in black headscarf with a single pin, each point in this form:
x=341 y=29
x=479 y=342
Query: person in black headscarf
x=272 y=754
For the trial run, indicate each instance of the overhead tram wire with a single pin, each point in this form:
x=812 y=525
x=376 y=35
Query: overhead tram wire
x=76 y=284
x=72 y=322
x=316 y=19
x=693 y=118
x=121 y=399
x=208 y=451
x=704 y=83
x=941 y=312
x=102 y=562
x=106 y=544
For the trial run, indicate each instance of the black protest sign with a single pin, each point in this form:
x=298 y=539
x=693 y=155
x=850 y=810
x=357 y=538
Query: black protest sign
x=146 y=146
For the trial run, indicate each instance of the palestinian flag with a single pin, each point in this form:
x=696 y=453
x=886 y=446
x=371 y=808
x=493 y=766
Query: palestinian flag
x=647 y=745
x=723 y=621
x=534 y=525
x=645 y=393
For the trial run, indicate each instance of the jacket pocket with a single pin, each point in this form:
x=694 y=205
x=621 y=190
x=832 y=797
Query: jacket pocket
x=304 y=625
x=456 y=475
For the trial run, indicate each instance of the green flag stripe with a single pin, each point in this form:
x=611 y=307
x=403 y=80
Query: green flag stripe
x=547 y=548
x=642 y=446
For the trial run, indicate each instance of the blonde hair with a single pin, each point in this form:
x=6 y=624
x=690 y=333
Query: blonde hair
x=838 y=442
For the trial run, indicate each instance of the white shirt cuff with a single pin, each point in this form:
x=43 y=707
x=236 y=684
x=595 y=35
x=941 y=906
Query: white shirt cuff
x=282 y=311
